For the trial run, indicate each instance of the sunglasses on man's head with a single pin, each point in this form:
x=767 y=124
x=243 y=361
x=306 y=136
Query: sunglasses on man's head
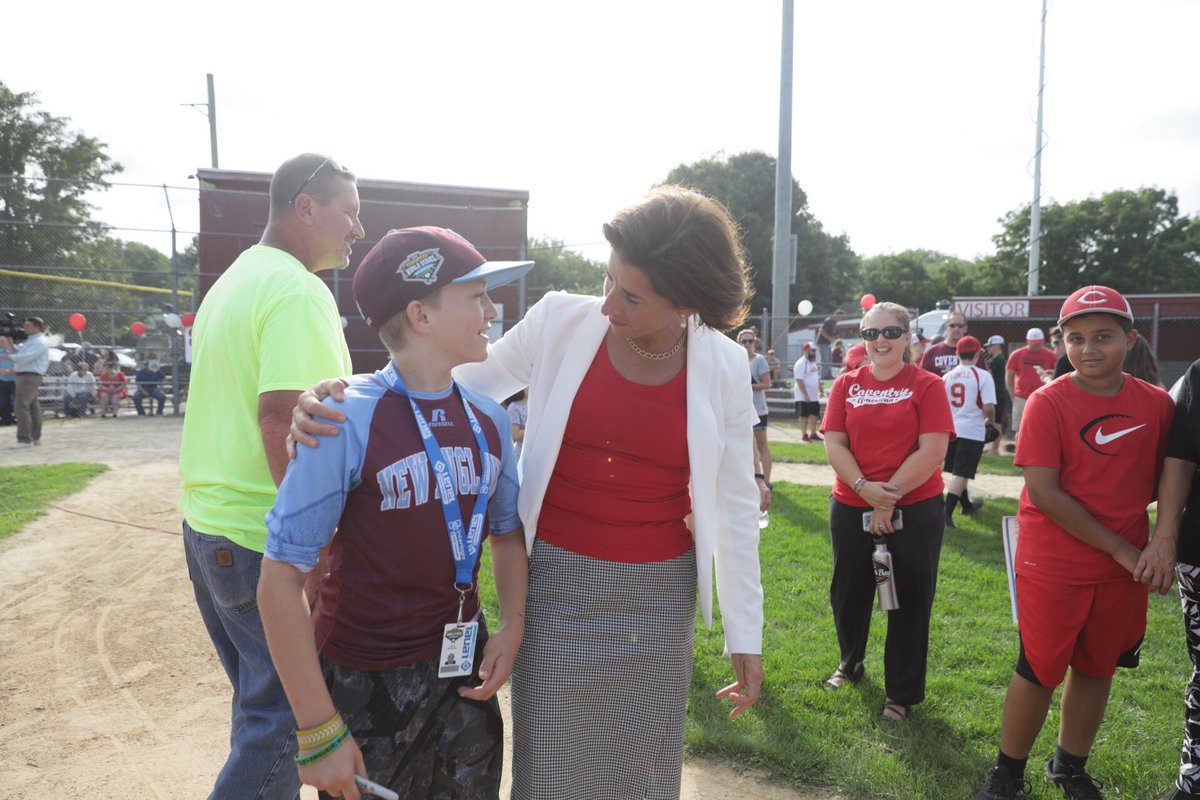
x=890 y=332
x=329 y=162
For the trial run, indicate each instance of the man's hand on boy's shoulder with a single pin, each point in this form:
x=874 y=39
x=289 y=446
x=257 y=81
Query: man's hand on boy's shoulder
x=1156 y=564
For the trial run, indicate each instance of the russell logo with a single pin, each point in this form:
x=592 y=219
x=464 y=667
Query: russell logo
x=1096 y=434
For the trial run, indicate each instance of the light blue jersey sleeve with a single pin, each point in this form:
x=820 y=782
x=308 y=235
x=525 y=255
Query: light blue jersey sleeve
x=313 y=493
x=502 y=508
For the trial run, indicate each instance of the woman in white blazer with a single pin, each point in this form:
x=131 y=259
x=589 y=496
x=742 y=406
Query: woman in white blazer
x=637 y=474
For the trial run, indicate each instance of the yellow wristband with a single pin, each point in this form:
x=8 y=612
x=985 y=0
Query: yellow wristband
x=310 y=738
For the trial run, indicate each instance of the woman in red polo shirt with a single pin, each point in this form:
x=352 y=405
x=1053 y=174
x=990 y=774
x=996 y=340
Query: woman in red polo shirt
x=886 y=429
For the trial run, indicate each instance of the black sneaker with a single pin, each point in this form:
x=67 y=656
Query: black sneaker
x=950 y=522
x=972 y=507
x=1001 y=785
x=1078 y=785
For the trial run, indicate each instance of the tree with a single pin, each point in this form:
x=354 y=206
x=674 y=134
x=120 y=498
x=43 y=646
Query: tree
x=916 y=278
x=1133 y=241
x=826 y=266
x=46 y=172
x=556 y=267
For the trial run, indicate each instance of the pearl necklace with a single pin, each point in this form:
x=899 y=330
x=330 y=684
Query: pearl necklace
x=657 y=356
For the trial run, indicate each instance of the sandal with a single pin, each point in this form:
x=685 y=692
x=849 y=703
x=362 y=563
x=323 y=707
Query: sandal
x=840 y=677
x=894 y=712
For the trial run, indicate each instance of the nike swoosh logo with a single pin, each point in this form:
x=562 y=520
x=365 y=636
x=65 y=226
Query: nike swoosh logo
x=1103 y=438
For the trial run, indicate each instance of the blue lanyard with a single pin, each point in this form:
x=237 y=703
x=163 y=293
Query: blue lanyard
x=463 y=544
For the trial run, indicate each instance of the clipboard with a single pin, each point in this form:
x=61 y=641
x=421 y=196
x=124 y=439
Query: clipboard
x=1008 y=533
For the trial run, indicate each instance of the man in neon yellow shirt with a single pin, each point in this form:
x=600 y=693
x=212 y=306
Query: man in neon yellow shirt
x=267 y=329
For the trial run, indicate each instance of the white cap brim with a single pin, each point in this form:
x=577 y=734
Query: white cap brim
x=497 y=273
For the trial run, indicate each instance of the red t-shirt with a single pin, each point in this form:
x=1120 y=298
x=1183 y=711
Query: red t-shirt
x=1026 y=362
x=883 y=420
x=619 y=490
x=1109 y=451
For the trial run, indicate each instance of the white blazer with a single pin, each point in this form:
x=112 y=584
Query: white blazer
x=550 y=351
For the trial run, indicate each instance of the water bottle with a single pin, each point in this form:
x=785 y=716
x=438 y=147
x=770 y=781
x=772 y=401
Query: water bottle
x=763 y=520
x=885 y=580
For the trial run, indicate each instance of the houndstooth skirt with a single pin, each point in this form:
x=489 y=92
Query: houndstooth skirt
x=600 y=686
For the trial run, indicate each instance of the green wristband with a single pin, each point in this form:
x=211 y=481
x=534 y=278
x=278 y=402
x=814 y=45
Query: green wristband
x=317 y=755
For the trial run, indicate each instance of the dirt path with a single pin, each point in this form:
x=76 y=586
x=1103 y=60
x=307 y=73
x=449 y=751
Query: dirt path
x=108 y=683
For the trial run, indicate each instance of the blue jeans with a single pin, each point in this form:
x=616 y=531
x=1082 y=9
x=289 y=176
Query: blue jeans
x=261 y=741
x=140 y=395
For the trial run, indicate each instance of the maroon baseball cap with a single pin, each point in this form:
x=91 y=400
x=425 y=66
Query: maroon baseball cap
x=1092 y=299
x=967 y=344
x=410 y=263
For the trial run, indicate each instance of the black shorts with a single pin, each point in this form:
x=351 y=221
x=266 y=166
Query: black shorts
x=962 y=457
x=808 y=408
x=761 y=425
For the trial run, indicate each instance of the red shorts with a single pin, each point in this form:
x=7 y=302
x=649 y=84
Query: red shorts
x=1092 y=628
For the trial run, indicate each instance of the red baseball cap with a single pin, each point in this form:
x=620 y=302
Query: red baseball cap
x=1093 y=299
x=410 y=263
x=856 y=356
x=809 y=346
x=967 y=344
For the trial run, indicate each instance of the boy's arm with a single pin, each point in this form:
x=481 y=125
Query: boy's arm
x=1156 y=566
x=510 y=565
x=1046 y=493
x=289 y=633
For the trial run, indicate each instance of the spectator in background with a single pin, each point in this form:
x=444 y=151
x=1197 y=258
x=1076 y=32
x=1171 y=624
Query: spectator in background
x=1023 y=372
x=856 y=357
x=774 y=365
x=972 y=395
x=1140 y=362
x=941 y=357
x=8 y=383
x=29 y=364
x=807 y=392
x=81 y=388
x=836 y=355
x=1063 y=365
x=110 y=387
x=917 y=349
x=996 y=360
x=147 y=380
x=518 y=415
x=825 y=338
x=760 y=381
x=152 y=361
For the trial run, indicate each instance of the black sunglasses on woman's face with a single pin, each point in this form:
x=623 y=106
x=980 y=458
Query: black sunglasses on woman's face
x=890 y=332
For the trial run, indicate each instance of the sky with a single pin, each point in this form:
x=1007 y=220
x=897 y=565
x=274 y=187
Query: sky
x=913 y=122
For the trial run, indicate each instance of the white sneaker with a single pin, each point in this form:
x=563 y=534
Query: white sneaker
x=21 y=445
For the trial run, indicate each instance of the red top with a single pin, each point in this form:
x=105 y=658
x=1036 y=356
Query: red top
x=1109 y=452
x=883 y=420
x=619 y=490
x=111 y=383
x=1025 y=362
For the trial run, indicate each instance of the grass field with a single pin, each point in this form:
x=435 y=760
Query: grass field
x=790 y=452
x=25 y=491
x=810 y=736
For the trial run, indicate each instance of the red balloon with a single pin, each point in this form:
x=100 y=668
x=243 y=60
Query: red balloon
x=138 y=328
x=77 y=320
x=867 y=301
x=187 y=318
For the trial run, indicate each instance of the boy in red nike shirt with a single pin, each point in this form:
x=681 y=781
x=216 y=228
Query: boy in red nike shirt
x=1091 y=446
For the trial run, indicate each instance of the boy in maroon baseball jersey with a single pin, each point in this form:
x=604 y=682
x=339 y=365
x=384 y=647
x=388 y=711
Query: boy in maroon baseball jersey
x=1091 y=446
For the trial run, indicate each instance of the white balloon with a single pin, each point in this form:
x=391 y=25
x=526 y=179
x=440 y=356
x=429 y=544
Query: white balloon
x=805 y=307
x=172 y=320
x=345 y=322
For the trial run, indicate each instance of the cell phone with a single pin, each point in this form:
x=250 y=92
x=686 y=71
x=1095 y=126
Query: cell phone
x=371 y=787
x=897 y=520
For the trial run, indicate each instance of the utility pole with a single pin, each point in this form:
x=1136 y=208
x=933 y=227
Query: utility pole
x=781 y=270
x=1035 y=216
x=209 y=110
